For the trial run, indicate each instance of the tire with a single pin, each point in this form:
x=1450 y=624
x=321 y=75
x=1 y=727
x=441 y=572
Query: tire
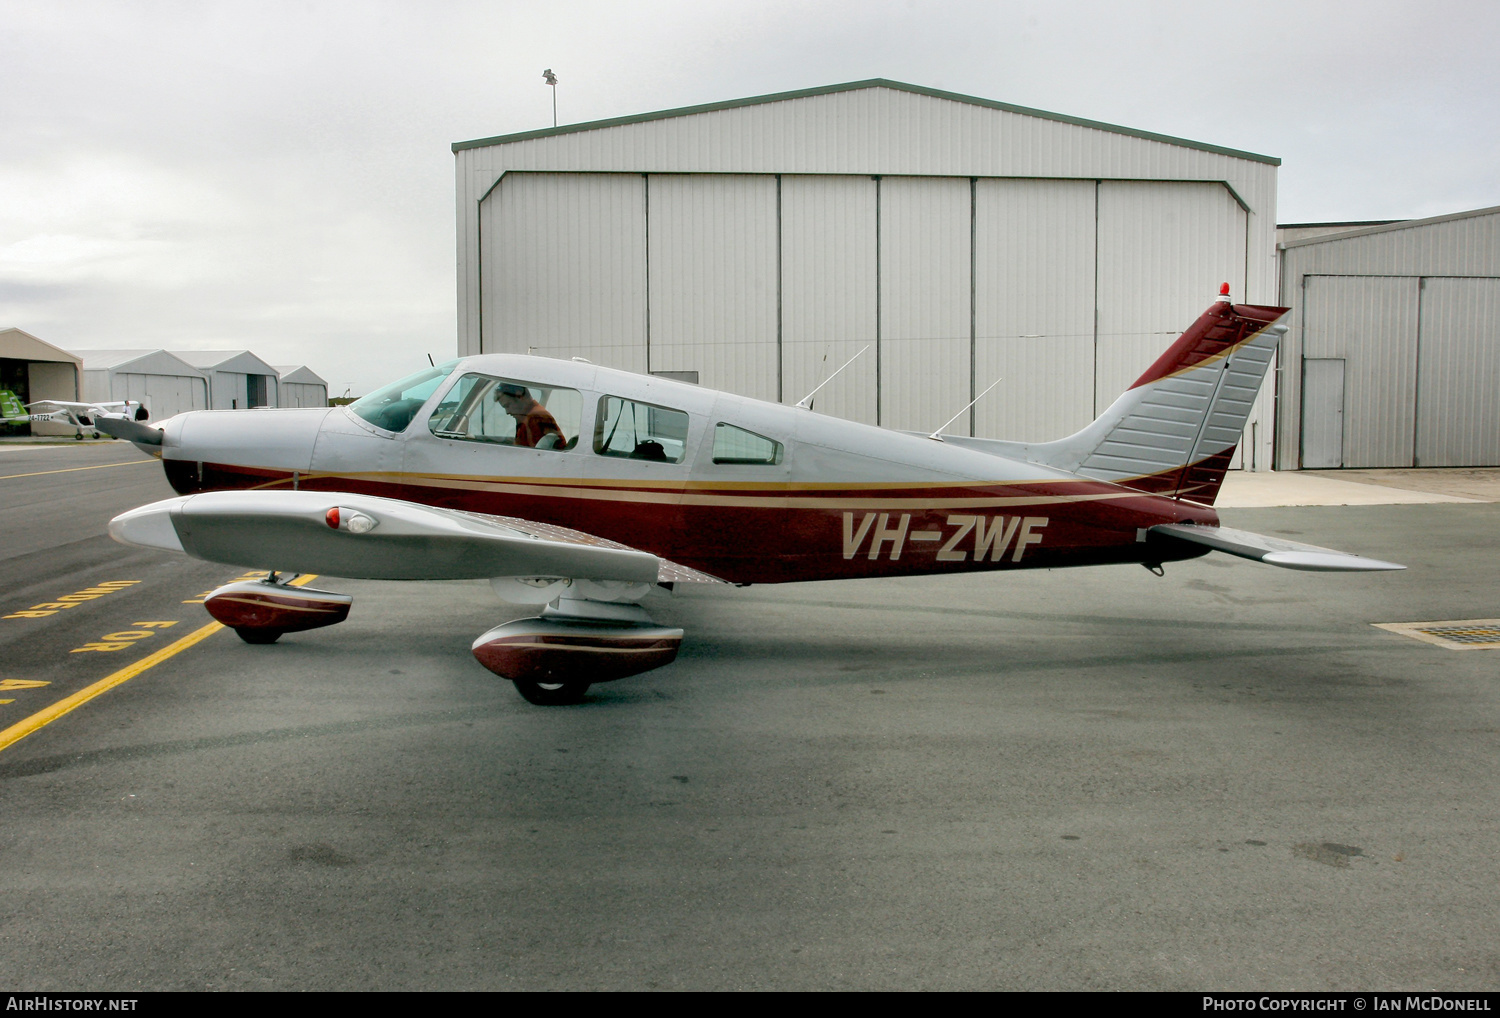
x=250 y=635
x=551 y=694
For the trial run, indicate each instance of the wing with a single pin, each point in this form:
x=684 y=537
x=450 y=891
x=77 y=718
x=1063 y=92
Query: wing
x=365 y=537
x=1271 y=550
x=63 y=404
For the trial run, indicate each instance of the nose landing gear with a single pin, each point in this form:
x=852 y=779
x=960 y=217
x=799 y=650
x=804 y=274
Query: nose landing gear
x=260 y=611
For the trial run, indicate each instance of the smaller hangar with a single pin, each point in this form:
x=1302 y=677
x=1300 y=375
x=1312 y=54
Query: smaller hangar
x=237 y=379
x=34 y=369
x=165 y=384
x=301 y=387
x=1392 y=358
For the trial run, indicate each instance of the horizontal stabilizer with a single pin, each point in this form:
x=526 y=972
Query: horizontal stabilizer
x=1272 y=550
x=365 y=537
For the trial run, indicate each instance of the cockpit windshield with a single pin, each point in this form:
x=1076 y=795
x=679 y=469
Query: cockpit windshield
x=393 y=406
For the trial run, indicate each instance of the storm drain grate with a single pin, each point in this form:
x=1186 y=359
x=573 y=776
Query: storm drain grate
x=1457 y=634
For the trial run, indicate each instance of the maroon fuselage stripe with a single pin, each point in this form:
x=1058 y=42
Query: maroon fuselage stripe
x=756 y=536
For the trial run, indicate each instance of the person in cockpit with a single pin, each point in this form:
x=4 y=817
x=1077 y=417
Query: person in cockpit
x=533 y=421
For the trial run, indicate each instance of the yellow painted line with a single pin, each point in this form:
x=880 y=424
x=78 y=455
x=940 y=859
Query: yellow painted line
x=18 y=731
x=69 y=470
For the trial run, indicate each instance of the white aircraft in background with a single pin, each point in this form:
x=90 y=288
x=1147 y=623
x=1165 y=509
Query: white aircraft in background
x=580 y=489
x=79 y=415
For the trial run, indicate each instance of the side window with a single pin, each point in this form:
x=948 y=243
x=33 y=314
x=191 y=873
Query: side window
x=640 y=431
x=503 y=411
x=736 y=445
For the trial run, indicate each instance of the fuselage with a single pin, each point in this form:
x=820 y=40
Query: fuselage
x=742 y=489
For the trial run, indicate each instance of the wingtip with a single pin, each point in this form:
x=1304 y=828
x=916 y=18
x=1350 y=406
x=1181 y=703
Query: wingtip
x=150 y=526
x=1328 y=562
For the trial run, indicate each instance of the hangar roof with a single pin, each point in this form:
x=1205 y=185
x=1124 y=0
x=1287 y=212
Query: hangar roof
x=227 y=360
x=299 y=374
x=898 y=86
x=143 y=362
x=1394 y=225
x=18 y=344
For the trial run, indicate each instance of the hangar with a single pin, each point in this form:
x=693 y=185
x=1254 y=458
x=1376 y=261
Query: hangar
x=758 y=244
x=1392 y=358
x=34 y=369
x=299 y=386
x=163 y=383
x=237 y=379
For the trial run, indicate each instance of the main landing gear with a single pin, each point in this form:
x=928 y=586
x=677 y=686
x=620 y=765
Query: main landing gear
x=552 y=694
x=554 y=658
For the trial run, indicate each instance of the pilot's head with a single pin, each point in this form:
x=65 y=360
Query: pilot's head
x=514 y=398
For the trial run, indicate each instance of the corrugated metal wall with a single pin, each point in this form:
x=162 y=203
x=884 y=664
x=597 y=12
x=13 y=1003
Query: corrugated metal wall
x=1413 y=310
x=1162 y=247
x=1370 y=323
x=766 y=284
x=1034 y=306
x=713 y=277
x=1458 y=372
x=1061 y=256
x=564 y=263
x=828 y=292
x=924 y=300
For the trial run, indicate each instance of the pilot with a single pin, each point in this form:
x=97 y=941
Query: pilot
x=533 y=422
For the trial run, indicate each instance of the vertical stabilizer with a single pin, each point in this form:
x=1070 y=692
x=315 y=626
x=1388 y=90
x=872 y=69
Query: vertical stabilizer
x=1175 y=430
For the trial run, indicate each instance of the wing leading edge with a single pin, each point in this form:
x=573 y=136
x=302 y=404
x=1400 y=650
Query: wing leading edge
x=372 y=538
x=1271 y=550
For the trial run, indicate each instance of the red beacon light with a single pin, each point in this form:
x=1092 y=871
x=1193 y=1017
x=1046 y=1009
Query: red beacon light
x=1224 y=292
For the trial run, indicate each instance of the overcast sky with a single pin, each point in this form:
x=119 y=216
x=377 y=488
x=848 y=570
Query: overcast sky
x=278 y=176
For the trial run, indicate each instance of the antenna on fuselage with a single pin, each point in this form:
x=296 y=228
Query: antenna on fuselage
x=806 y=401
x=937 y=436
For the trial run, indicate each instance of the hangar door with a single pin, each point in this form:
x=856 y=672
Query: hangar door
x=1458 y=373
x=764 y=284
x=162 y=395
x=1419 y=371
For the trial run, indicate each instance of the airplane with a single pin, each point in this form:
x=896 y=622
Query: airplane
x=579 y=489
x=79 y=415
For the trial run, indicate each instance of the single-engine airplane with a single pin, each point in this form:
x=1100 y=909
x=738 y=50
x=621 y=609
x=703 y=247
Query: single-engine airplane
x=78 y=415
x=579 y=488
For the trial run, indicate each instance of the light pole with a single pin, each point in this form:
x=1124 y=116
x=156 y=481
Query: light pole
x=551 y=79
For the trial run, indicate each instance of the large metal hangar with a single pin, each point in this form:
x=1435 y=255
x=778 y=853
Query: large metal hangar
x=163 y=383
x=1393 y=354
x=761 y=243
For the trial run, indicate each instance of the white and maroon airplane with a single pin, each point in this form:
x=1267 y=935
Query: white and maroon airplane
x=581 y=488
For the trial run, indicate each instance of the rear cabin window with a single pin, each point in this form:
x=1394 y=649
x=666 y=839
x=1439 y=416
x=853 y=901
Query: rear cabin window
x=504 y=411
x=736 y=445
x=640 y=431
